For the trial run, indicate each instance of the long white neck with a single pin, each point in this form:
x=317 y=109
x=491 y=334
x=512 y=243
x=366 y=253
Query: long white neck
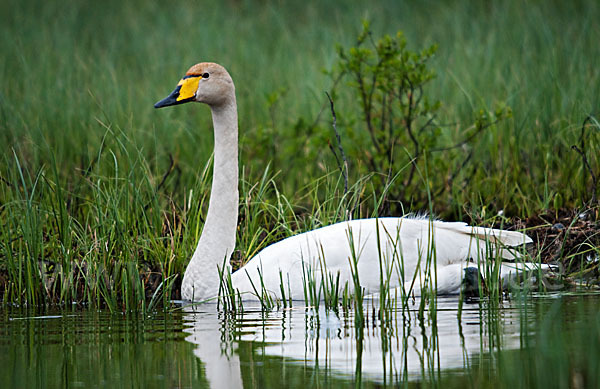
x=217 y=242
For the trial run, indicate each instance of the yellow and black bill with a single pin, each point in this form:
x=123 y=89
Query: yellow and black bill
x=184 y=92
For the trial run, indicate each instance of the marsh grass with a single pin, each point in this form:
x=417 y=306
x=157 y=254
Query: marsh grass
x=102 y=199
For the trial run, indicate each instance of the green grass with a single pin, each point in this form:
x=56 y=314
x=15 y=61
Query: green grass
x=98 y=188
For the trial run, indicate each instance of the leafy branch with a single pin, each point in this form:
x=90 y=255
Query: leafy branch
x=398 y=124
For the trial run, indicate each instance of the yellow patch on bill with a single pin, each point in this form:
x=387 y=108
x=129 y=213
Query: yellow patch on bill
x=189 y=86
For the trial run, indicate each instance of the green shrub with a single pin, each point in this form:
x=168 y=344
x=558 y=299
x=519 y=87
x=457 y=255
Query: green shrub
x=398 y=135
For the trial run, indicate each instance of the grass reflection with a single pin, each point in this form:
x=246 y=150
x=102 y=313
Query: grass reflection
x=529 y=342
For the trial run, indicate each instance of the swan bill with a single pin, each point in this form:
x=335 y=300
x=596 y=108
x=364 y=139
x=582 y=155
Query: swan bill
x=184 y=92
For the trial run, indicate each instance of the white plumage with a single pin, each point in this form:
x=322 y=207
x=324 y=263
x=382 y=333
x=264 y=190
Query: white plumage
x=403 y=247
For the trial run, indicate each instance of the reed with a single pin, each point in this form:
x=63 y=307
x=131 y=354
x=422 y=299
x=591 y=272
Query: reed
x=94 y=185
x=358 y=294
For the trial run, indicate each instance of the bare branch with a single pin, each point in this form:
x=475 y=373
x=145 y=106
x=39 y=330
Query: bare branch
x=163 y=180
x=167 y=173
x=455 y=174
x=586 y=164
x=466 y=140
x=427 y=124
x=5 y=181
x=409 y=120
x=344 y=170
x=366 y=102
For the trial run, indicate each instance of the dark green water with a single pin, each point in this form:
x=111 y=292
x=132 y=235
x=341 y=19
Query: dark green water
x=541 y=342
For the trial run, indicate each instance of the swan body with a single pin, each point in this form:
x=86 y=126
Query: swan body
x=405 y=249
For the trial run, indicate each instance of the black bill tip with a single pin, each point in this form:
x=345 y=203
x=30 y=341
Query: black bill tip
x=165 y=102
x=172 y=99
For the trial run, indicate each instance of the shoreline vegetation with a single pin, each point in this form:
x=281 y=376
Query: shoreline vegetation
x=486 y=114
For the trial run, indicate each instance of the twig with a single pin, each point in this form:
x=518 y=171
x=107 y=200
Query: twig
x=467 y=139
x=366 y=103
x=344 y=170
x=162 y=182
x=167 y=173
x=337 y=159
x=5 y=181
x=455 y=174
x=586 y=164
x=417 y=151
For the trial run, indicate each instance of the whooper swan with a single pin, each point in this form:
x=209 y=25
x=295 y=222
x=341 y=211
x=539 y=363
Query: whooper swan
x=402 y=244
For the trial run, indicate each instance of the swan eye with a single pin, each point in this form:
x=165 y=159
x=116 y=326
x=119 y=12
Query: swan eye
x=205 y=75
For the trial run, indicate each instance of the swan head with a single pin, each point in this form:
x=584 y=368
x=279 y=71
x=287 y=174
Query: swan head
x=206 y=82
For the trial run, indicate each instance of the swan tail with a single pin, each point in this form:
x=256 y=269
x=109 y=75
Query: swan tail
x=492 y=235
x=508 y=245
x=502 y=237
x=490 y=242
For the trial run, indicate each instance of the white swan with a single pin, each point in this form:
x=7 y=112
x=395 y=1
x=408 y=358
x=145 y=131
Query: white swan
x=400 y=244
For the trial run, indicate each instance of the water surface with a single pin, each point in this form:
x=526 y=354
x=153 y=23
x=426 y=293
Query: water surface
x=296 y=347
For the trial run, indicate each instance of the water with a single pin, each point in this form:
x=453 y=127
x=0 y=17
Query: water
x=199 y=347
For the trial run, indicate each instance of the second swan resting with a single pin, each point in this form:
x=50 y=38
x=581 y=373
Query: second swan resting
x=403 y=247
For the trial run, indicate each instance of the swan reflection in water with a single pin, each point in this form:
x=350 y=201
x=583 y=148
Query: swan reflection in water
x=406 y=348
